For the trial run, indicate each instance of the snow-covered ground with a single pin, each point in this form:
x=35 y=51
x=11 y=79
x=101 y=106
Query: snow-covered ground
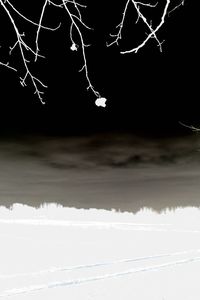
x=58 y=253
x=125 y=223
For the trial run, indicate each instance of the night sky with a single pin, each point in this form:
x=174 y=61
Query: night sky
x=147 y=93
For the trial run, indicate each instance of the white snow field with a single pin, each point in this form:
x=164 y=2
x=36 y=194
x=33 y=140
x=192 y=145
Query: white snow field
x=96 y=224
x=58 y=253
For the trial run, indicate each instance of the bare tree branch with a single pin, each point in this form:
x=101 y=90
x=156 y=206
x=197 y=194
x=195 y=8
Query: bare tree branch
x=120 y=25
x=8 y=66
x=152 y=31
x=39 y=26
x=195 y=129
x=29 y=20
x=74 y=46
x=22 y=44
x=74 y=13
x=177 y=6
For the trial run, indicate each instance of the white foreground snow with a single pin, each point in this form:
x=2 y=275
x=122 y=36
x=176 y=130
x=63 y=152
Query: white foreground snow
x=66 y=253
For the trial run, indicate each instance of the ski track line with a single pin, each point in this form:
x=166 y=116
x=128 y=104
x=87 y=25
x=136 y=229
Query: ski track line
x=34 y=288
x=102 y=264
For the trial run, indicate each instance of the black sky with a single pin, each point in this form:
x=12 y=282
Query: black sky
x=148 y=92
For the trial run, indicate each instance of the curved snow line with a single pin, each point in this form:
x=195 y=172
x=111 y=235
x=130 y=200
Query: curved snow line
x=98 y=225
x=101 y=264
x=39 y=222
x=13 y=292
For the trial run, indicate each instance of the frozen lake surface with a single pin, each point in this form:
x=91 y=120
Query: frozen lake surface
x=88 y=219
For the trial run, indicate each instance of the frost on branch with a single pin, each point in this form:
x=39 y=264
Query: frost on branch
x=152 y=30
x=73 y=12
x=101 y=102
